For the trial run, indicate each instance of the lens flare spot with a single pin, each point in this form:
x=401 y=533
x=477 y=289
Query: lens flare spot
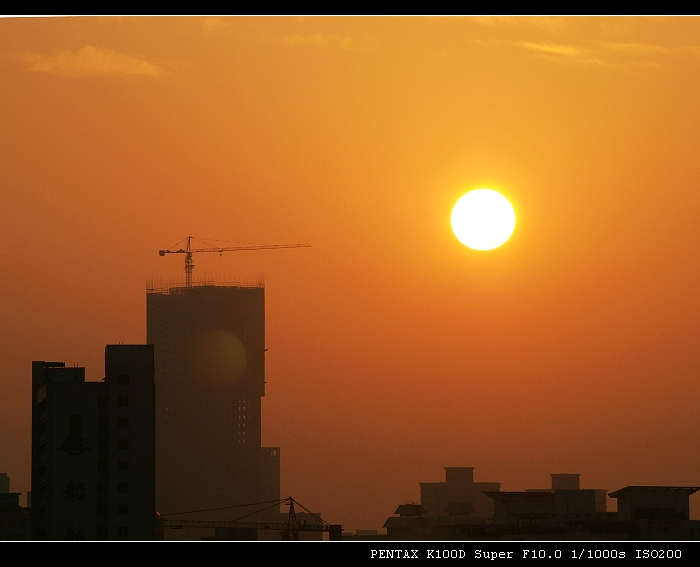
x=221 y=356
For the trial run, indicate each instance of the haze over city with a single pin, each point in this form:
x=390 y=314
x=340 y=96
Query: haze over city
x=393 y=349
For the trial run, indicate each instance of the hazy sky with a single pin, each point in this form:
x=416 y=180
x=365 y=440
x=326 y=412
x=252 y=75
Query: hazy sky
x=394 y=351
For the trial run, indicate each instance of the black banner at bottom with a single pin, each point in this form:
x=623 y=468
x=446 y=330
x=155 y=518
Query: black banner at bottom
x=382 y=551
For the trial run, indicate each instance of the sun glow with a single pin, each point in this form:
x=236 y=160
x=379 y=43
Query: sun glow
x=483 y=219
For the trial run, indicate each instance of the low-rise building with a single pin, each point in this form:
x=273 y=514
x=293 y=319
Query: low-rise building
x=454 y=509
x=658 y=512
x=14 y=520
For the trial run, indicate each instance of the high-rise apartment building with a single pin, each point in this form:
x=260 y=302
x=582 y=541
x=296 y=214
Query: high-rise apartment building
x=93 y=449
x=210 y=377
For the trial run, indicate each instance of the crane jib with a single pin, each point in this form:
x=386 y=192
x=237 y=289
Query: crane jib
x=189 y=265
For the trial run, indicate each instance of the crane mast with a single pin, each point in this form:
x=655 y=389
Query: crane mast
x=188 y=251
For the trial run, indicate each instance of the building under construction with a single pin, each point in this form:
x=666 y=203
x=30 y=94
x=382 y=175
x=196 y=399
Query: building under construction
x=210 y=377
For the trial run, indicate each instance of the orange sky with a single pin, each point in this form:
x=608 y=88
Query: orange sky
x=394 y=351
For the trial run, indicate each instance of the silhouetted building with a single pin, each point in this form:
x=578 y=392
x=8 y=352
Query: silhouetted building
x=654 y=502
x=568 y=481
x=539 y=506
x=563 y=512
x=364 y=535
x=459 y=487
x=530 y=506
x=14 y=520
x=458 y=521
x=409 y=523
x=644 y=513
x=454 y=509
x=210 y=377
x=660 y=512
x=93 y=449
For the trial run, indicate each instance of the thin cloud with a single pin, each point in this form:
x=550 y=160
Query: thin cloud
x=547 y=23
x=321 y=41
x=553 y=49
x=606 y=54
x=559 y=52
x=563 y=47
x=90 y=61
x=634 y=48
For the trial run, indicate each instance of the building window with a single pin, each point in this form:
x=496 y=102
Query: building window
x=123 y=401
x=123 y=466
x=123 y=487
x=122 y=443
x=123 y=422
x=123 y=380
x=122 y=509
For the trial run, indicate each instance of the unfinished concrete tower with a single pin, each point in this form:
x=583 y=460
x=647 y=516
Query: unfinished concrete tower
x=210 y=377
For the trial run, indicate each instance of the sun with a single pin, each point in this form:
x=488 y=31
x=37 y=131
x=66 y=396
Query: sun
x=483 y=219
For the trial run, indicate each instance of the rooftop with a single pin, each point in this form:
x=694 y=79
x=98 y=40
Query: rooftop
x=688 y=489
x=173 y=285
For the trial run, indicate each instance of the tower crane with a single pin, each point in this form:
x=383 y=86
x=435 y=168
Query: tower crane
x=188 y=251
